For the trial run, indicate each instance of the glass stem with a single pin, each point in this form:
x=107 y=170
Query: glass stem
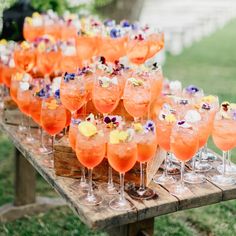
x=194 y=164
x=90 y=190
x=165 y=165
x=229 y=157
x=224 y=162
x=82 y=179
x=110 y=177
x=122 y=192
x=142 y=176
x=53 y=141
x=182 y=174
x=41 y=138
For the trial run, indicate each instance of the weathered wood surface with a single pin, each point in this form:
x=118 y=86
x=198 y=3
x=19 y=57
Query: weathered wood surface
x=102 y=217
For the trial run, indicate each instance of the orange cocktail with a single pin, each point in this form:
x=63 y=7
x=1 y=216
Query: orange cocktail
x=73 y=132
x=106 y=94
x=146 y=146
x=90 y=151
x=184 y=145
x=15 y=82
x=156 y=43
x=53 y=116
x=122 y=155
x=7 y=73
x=224 y=131
x=73 y=92
x=137 y=97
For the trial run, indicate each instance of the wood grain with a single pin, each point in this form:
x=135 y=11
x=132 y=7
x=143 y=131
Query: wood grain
x=102 y=217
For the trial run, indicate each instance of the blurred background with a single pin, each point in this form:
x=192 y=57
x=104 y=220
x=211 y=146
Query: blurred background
x=199 y=49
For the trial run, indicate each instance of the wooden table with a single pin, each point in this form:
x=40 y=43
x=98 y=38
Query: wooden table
x=136 y=222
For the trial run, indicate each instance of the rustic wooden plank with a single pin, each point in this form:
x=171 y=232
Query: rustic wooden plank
x=24 y=181
x=141 y=228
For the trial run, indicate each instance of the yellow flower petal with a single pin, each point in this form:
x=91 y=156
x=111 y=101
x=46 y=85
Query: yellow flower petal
x=170 y=118
x=114 y=137
x=138 y=127
x=3 y=42
x=87 y=129
x=36 y=14
x=28 y=20
x=123 y=136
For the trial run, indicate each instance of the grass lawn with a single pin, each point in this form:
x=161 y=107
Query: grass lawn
x=210 y=64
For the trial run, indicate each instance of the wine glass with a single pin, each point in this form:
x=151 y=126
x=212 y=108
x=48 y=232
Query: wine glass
x=73 y=92
x=137 y=96
x=122 y=156
x=145 y=137
x=106 y=97
x=73 y=131
x=52 y=118
x=223 y=131
x=164 y=124
x=90 y=151
x=184 y=145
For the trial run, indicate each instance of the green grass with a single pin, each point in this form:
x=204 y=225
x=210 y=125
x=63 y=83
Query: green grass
x=209 y=64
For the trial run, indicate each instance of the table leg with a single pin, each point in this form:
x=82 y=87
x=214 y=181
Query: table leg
x=140 y=228
x=25 y=201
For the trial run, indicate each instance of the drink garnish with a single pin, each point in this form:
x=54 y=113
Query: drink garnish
x=138 y=127
x=136 y=82
x=106 y=81
x=115 y=33
x=25 y=45
x=149 y=126
x=112 y=121
x=24 y=86
x=52 y=104
x=117 y=136
x=75 y=121
x=192 y=116
x=184 y=124
x=57 y=94
x=69 y=76
x=192 y=89
x=90 y=118
x=206 y=106
x=87 y=129
x=183 y=101
x=208 y=99
x=3 y=42
x=225 y=106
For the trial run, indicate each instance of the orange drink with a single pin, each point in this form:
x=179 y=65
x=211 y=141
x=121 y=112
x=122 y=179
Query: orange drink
x=7 y=73
x=73 y=92
x=53 y=116
x=25 y=57
x=73 y=132
x=122 y=156
x=137 y=97
x=106 y=94
x=35 y=108
x=23 y=101
x=184 y=145
x=90 y=151
x=156 y=43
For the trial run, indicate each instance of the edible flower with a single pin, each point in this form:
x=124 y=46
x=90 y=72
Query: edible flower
x=106 y=81
x=90 y=118
x=109 y=23
x=125 y=24
x=25 y=45
x=3 y=42
x=184 y=124
x=75 y=121
x=115 y=33
x=183 y=101
x=117 y=136
x=69 y=76
x=209 y=99
x=192 y=116
x=192 y=89
x=24 y=86
x=57 y=94
x=206 y=106
x=52 y=105
x=225 y=106
x=112 y=121
x=149 y=126
x=170 y=118
x=87 y=129
x=135 y=82
x=138 y=127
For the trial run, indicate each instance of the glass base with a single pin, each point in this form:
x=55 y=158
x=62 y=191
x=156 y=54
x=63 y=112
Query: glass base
x=119 y=205
x=45 y=151
x=163 y=179
x=179 y=190
x=111 y=189
x=22 y=128
x=30 y=139
x=142 y=194
x=223 y=180
x=193 y=178
x=49 y=163
x=202 y=166
x=90 y=200
x=80 y=185
x=209 y=157
x=229 y=169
